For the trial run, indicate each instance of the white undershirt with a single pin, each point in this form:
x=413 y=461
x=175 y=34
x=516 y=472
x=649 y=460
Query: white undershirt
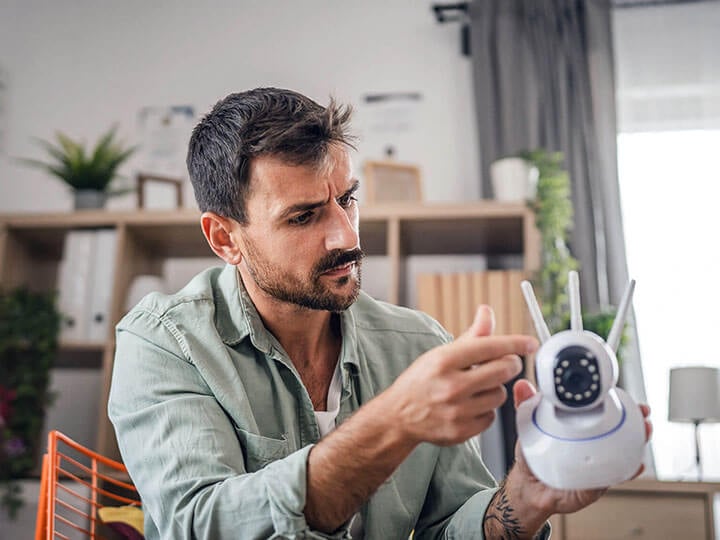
x=326 y=423
x=326 y=419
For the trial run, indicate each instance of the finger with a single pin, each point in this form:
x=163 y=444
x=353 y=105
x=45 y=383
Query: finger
x=477 y=405
x=481 y=422
x=464 y=353
x=487 y=401
x=469 y=427
x=483 y=324
x=645 y=409
x=491 y=374
x=640 y=470
x=522 y=391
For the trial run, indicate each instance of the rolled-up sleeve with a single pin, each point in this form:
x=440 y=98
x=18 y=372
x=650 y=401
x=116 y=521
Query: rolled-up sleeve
x=184 y=455
x=460 y=492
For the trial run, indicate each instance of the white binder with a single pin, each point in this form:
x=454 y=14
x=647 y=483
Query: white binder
x=98 y=314
x=74 y=283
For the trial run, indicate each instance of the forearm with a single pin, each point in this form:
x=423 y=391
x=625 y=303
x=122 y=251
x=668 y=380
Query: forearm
x=509 y=516
x=346 y=467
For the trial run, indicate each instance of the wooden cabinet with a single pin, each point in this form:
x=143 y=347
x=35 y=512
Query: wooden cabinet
x=644 y=509
x=31 y=247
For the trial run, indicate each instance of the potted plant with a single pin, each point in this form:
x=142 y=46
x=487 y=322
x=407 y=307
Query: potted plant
x=29 y=327
x=513 y=179
x=553 y=217
x=88 y=173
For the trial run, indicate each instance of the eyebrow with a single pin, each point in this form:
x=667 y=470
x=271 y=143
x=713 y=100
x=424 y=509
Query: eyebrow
x=307 y=206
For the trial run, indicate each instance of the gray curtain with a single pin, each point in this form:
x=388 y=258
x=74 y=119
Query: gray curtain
x=543 y=76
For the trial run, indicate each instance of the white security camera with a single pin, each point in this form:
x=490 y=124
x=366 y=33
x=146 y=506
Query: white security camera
x=580 y=431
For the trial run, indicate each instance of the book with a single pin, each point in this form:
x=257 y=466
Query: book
x=479 y=288
x=497 y=299
x=448 y=293
x=453 y=298
x=518 y=313
x=428 y=295
x=465 y=300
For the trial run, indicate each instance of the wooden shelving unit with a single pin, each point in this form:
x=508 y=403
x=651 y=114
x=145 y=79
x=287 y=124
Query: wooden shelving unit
x=31 y=248
x=644 y=509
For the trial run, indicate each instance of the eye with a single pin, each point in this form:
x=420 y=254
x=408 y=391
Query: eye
x=347 y=200
x=302 y=219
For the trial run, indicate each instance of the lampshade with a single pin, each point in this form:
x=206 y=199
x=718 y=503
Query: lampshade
x=694 y=394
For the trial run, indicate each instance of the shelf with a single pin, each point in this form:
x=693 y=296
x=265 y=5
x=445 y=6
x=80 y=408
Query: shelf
x=163 y=240
x=31 y=248
x=376 y=212
x=89 y=219
x=82 y=346
x=644 y=508
x=82 y=357
x=653 y=486
x=495 y=228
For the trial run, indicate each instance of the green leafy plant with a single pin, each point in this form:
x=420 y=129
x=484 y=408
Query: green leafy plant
x=81 y=169
x=600 y=324
x=553 y=217
x=29 y=328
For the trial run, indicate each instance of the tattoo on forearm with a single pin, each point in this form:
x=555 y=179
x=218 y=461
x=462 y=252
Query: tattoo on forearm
x=501 y=513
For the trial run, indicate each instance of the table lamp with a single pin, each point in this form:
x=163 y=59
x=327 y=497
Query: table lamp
x=695 y=398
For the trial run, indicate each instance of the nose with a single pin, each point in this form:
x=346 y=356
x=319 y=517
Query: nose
x=342 y=229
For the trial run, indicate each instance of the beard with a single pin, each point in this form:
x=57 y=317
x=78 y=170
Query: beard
x=313 y=293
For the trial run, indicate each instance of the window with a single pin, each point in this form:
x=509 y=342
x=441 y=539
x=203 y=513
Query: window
x=668 y=101
x=670 y=192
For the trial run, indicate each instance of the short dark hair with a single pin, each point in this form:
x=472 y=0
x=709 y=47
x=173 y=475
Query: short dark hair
x=260 y=122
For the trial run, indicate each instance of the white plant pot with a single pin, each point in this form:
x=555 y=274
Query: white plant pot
x=513 y=179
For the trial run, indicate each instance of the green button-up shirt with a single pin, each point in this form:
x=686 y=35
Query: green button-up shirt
x=215 y=425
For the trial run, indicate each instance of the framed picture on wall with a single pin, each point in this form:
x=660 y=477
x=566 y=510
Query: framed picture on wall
x=391 y=182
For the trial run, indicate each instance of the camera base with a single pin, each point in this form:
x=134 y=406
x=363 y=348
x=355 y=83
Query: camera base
x=606 y=450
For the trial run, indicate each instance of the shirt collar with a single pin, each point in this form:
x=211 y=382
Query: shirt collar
x=236 y=318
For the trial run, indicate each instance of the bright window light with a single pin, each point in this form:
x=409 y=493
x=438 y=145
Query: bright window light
x=670 y=192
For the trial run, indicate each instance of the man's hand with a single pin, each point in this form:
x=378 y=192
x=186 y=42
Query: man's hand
x=445 y=397
x=450 y=393
x=523 y=502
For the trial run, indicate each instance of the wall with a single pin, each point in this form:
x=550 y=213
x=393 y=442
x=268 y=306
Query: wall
x=80 y=66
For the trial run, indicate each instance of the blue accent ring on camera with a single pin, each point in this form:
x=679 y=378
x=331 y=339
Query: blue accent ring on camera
x=593 y=438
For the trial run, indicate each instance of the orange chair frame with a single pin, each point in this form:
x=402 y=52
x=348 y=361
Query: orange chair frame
x=99 y=477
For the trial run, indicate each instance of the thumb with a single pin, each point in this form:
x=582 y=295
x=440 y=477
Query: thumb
x=522 y=391
x=483 y=324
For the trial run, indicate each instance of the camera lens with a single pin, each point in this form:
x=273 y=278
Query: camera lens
x=577 y=378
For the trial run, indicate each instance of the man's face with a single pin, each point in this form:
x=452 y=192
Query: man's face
x=301 y=243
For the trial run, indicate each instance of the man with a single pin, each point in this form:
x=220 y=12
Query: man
x=274 y=399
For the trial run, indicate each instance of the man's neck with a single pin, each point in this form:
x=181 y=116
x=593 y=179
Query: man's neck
x=311 y=338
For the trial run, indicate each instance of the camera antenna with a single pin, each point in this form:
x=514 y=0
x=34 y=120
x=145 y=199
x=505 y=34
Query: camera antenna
x=576 y=323
x=540 y=326
x=613 y=339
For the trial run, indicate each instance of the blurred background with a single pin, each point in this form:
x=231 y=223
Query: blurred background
x=80 y=66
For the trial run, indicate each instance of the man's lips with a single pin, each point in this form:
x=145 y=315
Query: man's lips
x=340 y=270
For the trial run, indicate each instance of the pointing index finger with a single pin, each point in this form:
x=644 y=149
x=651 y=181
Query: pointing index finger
x=463 y=353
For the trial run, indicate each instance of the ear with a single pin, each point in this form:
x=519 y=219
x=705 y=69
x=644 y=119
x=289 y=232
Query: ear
x=220 y=233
